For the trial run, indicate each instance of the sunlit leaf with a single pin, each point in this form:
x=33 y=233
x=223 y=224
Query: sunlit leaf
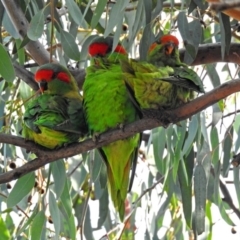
x=20 y=190
x=37 y=226
x=5 y=235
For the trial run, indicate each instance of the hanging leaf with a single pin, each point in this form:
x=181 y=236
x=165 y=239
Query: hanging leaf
x=21 y=189
x=76 y=13
x=54 y=211
x=37 y=226
x=36 y=26
x=6 y=67
x=59 y=176
x=69 y=45
x=200 y=190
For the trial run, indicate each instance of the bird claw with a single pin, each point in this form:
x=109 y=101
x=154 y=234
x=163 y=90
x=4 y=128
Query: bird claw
x=121 y=126
x=95 y=137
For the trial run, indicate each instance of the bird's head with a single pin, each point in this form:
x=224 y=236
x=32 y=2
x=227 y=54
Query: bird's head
x=102 y=47
x=55 y=79
x=164 y=51
x=169 y=44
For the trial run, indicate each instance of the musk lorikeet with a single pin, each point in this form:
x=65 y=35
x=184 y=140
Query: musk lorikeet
x=164 y=52
x=108 y=106
x=142 y=80
x=56 y=117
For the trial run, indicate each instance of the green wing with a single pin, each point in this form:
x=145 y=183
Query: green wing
x=51 y=121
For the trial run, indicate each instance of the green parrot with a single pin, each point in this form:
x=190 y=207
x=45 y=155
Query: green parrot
x=164 y=82
x=107 y=106
x=164 y=52
x=56 y=117
x=146 y=89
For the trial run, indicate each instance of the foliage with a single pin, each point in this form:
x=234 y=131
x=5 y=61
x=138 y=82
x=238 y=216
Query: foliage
x=180 y=169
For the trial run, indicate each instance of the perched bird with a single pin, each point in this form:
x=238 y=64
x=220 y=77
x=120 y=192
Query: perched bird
x=107 y=106
x=164 y=52
x=144 y=83
x=56 y=117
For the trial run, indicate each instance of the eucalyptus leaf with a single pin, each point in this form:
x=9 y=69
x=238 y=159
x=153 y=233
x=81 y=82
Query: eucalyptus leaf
x=6 y=67
x=21 y=189
x=54 y=211
x=36 y=26
x=69 y=45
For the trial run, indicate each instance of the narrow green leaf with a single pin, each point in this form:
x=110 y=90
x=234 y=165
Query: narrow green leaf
x=183 y=26
x=225 y=33
x=137 y=22
x=215 y=145
x=236 y=126
x=20 y=52
x=209 y=216
x=66 y=199
x=76 y=13
x=192 y=131
x=115 y=16
x=59 y=176
x=54 y=211
x=159 y=140
x=69 y=45
x=146 y=40
x=22 y=187
x=213 y=75
x=200 y=190
x=227 y=147
x=186 y=191
x=6 y=68
x=148 y=9
x=97 y=165
x=217 y=114
x=98 y=12
x=29 y=220
x=37 y=226
x=9 y=27
x=180 y=133
x=36 y=26
x=103 y=208
x=5 y=235
x=236 y=181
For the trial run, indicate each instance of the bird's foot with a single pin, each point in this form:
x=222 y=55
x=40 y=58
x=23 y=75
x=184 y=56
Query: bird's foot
x=95 y=137
x=121 y=126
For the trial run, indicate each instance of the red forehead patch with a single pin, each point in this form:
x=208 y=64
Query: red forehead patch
x=43 y=74
x=63 y=77
x=98 y=49
x=120 y=49
x=169 y=38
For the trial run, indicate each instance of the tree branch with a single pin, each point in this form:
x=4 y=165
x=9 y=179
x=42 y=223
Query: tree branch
x=211 y=53
x=35 y=48
x=45 y=156
x=207 y=53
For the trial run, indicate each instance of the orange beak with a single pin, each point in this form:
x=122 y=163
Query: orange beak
x=169 y=48
x=43 y=86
